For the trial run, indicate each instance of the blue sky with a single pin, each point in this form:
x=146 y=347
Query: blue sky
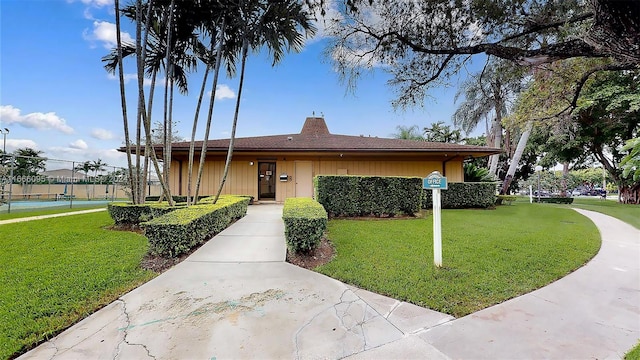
x=55 y=95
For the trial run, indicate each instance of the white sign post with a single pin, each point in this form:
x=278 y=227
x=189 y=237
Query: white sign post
x=436 y=183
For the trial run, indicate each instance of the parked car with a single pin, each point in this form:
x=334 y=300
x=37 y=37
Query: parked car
x=543 y=193
x=576 y=192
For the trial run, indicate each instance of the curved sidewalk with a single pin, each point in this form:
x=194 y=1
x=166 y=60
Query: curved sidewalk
x=592 y=313
x=237 y=298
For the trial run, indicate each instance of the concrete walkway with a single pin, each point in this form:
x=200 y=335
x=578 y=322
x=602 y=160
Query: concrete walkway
x=236 y=298
x=10 y=221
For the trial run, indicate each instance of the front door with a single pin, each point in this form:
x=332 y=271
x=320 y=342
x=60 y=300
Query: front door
x=266 y=181
x=304 y=178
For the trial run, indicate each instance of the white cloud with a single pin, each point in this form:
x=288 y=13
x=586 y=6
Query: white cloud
x=105 y=33
x=36 y=120
x=102 y=134
x=223 y=92
x=324 y=23
x=14 y=144
x=79 y=144
x=111 y=157
x=94 y=3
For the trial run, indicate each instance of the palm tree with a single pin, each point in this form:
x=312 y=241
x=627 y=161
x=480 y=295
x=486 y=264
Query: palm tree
x=169 y=38
x=97 y=165
x=439 y=132
x=487 y=96
x=85 y=167
x=408 y=133
x=280 y=26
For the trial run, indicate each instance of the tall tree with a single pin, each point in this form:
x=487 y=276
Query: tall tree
x=280 y=27
x=423 y=43
x=488 y=96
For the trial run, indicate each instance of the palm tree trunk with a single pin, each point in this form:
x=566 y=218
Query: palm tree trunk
x=522 y=143
x=497 y=143
x=123 y=99
x=227 y=164
x=192 y=143
x=148 y=145
x=203 y=150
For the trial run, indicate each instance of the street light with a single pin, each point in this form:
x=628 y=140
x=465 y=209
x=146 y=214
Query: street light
x=4 y=133
x=538 y=170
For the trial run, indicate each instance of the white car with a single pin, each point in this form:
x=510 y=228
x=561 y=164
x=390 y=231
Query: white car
x=575 y=192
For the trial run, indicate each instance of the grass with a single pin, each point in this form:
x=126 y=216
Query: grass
x=634 y=353
x=57 y=271
x=489 y=256
x=15 y=214
x=628 y=213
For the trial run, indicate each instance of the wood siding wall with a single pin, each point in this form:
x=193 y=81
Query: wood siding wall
x=243 y=177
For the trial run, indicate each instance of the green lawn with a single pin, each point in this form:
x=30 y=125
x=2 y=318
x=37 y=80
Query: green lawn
x=57 y=271
x=634 y=353
x=625 y=212
x=488 y=255
x=31 y=212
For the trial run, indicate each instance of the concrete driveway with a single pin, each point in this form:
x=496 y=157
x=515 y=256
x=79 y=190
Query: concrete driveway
x=237 y=298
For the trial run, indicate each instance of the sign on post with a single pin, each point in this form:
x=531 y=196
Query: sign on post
x=436 y=183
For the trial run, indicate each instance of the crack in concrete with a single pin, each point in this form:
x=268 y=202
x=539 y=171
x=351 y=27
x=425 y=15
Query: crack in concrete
x=126 y=332
x=53 y=343
x=345 y=312
x=342 y=315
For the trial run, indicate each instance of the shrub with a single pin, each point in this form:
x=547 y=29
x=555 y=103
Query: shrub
x=130 y=214
x=305 y=221
x=555 y=200
x=501 y=199
x=368 y=195
x=179 y=231
x=463 y=196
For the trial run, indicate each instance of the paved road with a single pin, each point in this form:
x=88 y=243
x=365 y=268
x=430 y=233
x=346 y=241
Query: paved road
x=236 y=298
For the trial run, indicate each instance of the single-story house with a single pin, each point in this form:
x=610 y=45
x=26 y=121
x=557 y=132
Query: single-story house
x=276 y=167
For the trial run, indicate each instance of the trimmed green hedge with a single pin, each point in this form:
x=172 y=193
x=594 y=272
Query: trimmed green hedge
x=554 y=200
x=179 y=231
x=130 y=214
x=463 y=196
x=502 y=199
x=305 y=221
x=368 y=195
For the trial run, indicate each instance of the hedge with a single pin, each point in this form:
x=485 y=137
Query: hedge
x=502 y=199
x=181 y=230
x=305 y=221
x=463 y=196
x=130 y=214
x=368 y=195
x=554 y=200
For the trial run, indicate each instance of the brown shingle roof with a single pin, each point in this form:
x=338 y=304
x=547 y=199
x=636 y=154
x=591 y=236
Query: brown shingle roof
x=315 y=137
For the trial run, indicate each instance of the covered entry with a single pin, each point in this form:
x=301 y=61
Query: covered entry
x=267 y=180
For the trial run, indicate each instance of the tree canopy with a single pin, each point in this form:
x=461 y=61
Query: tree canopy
x=424 y=43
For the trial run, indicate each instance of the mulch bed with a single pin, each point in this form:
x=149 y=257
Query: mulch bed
x=320 y=256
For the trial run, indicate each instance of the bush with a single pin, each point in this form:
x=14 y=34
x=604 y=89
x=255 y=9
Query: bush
x=305 y=221
x=555 y=200
x=501 y=199
x=179 y=231
x=130 y=214
x=368 y=195
x=463 y=196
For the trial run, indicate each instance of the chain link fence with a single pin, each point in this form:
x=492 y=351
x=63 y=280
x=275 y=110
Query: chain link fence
x=28 y=183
